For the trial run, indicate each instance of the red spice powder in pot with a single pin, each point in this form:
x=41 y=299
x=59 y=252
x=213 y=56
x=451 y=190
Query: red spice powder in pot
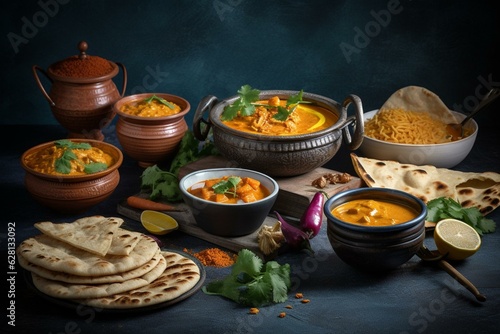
x=82 y=67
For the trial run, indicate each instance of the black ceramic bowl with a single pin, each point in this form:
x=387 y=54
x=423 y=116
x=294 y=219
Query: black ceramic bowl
x=228 y=220
x=376 y=247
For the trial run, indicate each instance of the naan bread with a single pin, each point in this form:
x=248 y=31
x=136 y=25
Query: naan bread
x=415 y=98
x=56 y=255
x=93 y=234
x=65 y=290
x=481 y=190
x=181 y=275
x=123 y=242
x=68 y=278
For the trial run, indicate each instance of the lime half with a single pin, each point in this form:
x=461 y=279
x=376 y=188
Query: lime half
x=157 y=222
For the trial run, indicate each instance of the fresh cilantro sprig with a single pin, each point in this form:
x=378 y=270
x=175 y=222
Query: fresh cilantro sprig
x=161 y=100
x=246 y=103
x=165 y=183
x=63 y=163
x=227 y=186
x=253 y=282
x=442 y=208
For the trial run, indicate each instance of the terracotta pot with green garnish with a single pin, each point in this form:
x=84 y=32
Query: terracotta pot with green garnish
x=71 y=176
x=150 y=126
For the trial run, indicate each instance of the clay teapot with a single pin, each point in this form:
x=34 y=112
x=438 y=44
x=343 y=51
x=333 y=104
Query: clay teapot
x=82 y=93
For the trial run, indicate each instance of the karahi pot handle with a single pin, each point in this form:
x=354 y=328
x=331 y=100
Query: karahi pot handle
x=201 y=130
x=356 y=121
x=36 y=68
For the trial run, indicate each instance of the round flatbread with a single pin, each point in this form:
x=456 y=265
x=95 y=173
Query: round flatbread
x=481 y=190
x=420 y=99
x=59 y=256
x=123 y=242
x=65 y=290
x=74 y=279
x=181 y=275
x=93 y=234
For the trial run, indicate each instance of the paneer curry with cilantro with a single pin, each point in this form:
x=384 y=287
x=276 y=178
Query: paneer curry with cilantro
x=230 y=190
x=66 y=157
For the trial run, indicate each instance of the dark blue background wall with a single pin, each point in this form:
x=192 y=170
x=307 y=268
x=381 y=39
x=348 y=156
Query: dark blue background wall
x=195 y=48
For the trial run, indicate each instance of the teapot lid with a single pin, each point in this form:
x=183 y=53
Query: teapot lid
x=83 y=67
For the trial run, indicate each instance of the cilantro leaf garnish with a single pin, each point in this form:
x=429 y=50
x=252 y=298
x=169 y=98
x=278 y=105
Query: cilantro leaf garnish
x=248 y=96
x=161 y=100
x=227 y=186
x=165 y=183
x=253 y=282
x=442 y=208
x=63 y=163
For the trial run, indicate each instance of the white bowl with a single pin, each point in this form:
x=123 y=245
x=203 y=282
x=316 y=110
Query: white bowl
x=445 y=155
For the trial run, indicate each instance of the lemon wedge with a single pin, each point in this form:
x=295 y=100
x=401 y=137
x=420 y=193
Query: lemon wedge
x=321 y=117
x=456 y=238
x=157 y=222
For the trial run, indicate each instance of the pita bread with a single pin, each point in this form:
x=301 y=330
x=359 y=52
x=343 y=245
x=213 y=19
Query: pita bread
x=123 y=242
x=181 y=275
x=415 y=98
x=93 y=234
x=65 y=290
x=481 y=190
x=59 y=256
x=68 y=278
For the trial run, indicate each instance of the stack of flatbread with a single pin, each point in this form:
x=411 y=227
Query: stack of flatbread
x=93 y=261
x=481 y=190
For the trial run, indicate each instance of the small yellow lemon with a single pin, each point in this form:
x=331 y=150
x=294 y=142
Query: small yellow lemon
x=157 y=222
x=456 y=238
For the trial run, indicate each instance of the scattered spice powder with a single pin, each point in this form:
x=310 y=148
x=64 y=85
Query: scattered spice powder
x=213 y=257
x=305 y=301
x=299 y=295
x=282 y=315
x=254 y=310
x=87 y=67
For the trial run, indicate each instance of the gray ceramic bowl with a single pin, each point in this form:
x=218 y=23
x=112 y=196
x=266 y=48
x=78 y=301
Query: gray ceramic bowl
x=228 y=220
x=376 y=247
x=281 y=156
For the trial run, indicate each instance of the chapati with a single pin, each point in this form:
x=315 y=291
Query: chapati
x=420 y=99
x=470 y=189
x=181 y=275
x=68 y=278
x=56 y=255
x=93 y=234
x=65 y=290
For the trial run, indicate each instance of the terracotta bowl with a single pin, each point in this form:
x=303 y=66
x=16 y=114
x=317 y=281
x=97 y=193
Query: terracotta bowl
x=150 y=140
x=73 y=193
x=280 y=156
x=228 y=220
x=376 y=248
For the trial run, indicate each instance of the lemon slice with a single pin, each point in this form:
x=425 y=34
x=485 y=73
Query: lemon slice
x=157 y=222
x=321 y=117
x=456 y=238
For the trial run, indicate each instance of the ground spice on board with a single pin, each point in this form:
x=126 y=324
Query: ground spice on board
x=87 y=67
x=213 y=257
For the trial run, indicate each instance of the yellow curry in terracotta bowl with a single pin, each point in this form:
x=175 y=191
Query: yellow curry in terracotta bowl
x=375 y=228
x=71 y=175
x=279 y=132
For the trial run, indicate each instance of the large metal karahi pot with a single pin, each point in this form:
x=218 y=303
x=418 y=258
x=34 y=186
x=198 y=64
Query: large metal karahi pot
x=82 y=105
x=281 y=156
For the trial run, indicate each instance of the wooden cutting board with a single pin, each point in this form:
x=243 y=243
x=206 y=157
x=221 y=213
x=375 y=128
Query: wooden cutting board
x=295 y=192
x=293 y=198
